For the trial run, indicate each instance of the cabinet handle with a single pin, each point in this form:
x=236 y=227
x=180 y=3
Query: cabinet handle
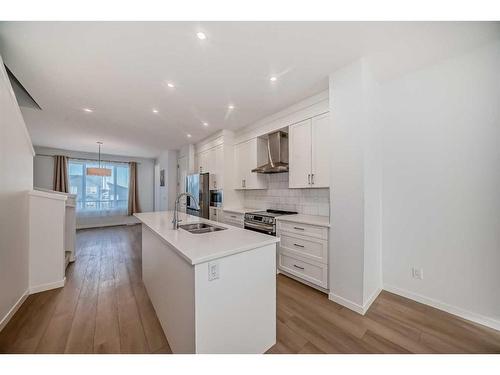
x=312 y=179
x=296 y=244
x=234 y=217
x=244 y=183
x=299 y=267
x=299 y=228
x=309 y=179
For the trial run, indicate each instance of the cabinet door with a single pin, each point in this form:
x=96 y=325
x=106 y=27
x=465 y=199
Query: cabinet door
x=202 y=162
x=299 y=155
x=320 y=170
x=218 y=167
x=239 y=165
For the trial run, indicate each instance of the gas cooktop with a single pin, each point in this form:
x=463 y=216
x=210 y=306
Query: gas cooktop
x=273 y=213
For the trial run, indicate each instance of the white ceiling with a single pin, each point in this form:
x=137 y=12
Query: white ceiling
x=120 y=70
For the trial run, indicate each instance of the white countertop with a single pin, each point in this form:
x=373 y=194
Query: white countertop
x=322 y=221
x=240 y=210
x=200 y=248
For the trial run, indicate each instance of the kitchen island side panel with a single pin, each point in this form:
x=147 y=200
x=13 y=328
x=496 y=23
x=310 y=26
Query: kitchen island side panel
x=169 y=281
x=236 y=313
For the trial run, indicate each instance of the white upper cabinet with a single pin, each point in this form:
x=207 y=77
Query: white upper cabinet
x=309 y=153
x=211 y=161
x=216 y=173
x=320 y=151
x=299 y=157
x=247 y=156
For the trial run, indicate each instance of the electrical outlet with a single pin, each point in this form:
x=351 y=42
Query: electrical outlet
x=213 y=271
x=417 y=273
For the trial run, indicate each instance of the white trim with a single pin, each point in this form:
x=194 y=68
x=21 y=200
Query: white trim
x=13 y=310
x=48 y=286
x=312 y=106
x=370 y=300
x=468 y=315
x=45 y=194
x=353 y=305
x=346 y=303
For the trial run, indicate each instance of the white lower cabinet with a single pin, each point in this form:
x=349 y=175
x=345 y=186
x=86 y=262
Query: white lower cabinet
x=215 y=214
x=313 y=272
x=233 y=218
x=303 y=252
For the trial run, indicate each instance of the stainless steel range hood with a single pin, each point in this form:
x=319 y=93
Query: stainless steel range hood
x=277 y=152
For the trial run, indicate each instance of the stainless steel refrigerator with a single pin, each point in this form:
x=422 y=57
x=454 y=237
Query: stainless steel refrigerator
x=198 y=185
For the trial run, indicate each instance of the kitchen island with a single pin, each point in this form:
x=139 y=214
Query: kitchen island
x=213 y=292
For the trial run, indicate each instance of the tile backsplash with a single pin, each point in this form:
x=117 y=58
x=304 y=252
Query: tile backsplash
x=278 y=196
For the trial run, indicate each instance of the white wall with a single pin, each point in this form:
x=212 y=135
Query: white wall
x=16 y=178
x=168 y=161
x=441 y=182
x=416 y=182
x=354 y=272
x=43 y=173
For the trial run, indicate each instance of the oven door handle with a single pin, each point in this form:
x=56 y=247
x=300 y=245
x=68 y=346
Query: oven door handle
x=259 y=226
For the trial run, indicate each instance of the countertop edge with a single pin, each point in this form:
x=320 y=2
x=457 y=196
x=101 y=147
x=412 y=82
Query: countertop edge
x=303 y=220
x=201 y=260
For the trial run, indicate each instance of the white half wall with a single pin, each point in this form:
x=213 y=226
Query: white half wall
x=43 y=174
x=16 y=179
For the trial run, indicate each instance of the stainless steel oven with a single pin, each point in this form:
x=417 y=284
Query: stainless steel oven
x=264 y=221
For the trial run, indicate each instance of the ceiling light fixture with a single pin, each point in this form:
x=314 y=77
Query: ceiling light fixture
x=230 y=106
x=171 y=85
x=273 y=79
x=205 y=123
x=155 y=111
x=88 y=110
x=201 y=35
x=189 y=135
x=99 y=171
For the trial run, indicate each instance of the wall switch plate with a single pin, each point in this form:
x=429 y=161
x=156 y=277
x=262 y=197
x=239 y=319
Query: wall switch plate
x=417 y=273
x=213 y=271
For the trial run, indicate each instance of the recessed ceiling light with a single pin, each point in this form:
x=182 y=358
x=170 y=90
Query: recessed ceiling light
x=273 y=79
x=88 y=110
x=201 y=35
x=205 y=123
x=230 y=106
x=189 y=135
x=171 y=85
x=155 y=111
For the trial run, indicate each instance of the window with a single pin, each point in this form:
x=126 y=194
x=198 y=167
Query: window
x=99 y=195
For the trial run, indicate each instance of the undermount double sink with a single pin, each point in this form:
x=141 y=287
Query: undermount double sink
x=200 y=228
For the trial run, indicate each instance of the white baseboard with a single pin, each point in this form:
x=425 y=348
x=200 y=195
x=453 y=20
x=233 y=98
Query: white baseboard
x=370 y=300
x=360 y=309
x=468 y=315
x=48 y=286
x=13 y=310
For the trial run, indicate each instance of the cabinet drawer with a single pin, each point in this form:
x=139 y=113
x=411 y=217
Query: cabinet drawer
x=314 y=272
x=234 y=223
x=233 y=216
x=303 y=229
x=307 y=247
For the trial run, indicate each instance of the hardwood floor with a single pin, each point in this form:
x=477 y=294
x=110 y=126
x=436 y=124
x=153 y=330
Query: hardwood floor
x=104 y=308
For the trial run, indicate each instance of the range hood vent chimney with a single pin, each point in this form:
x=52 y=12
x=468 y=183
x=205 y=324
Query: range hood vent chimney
x=277 y=153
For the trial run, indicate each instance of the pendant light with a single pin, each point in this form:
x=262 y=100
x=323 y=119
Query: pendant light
x=99 y=171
